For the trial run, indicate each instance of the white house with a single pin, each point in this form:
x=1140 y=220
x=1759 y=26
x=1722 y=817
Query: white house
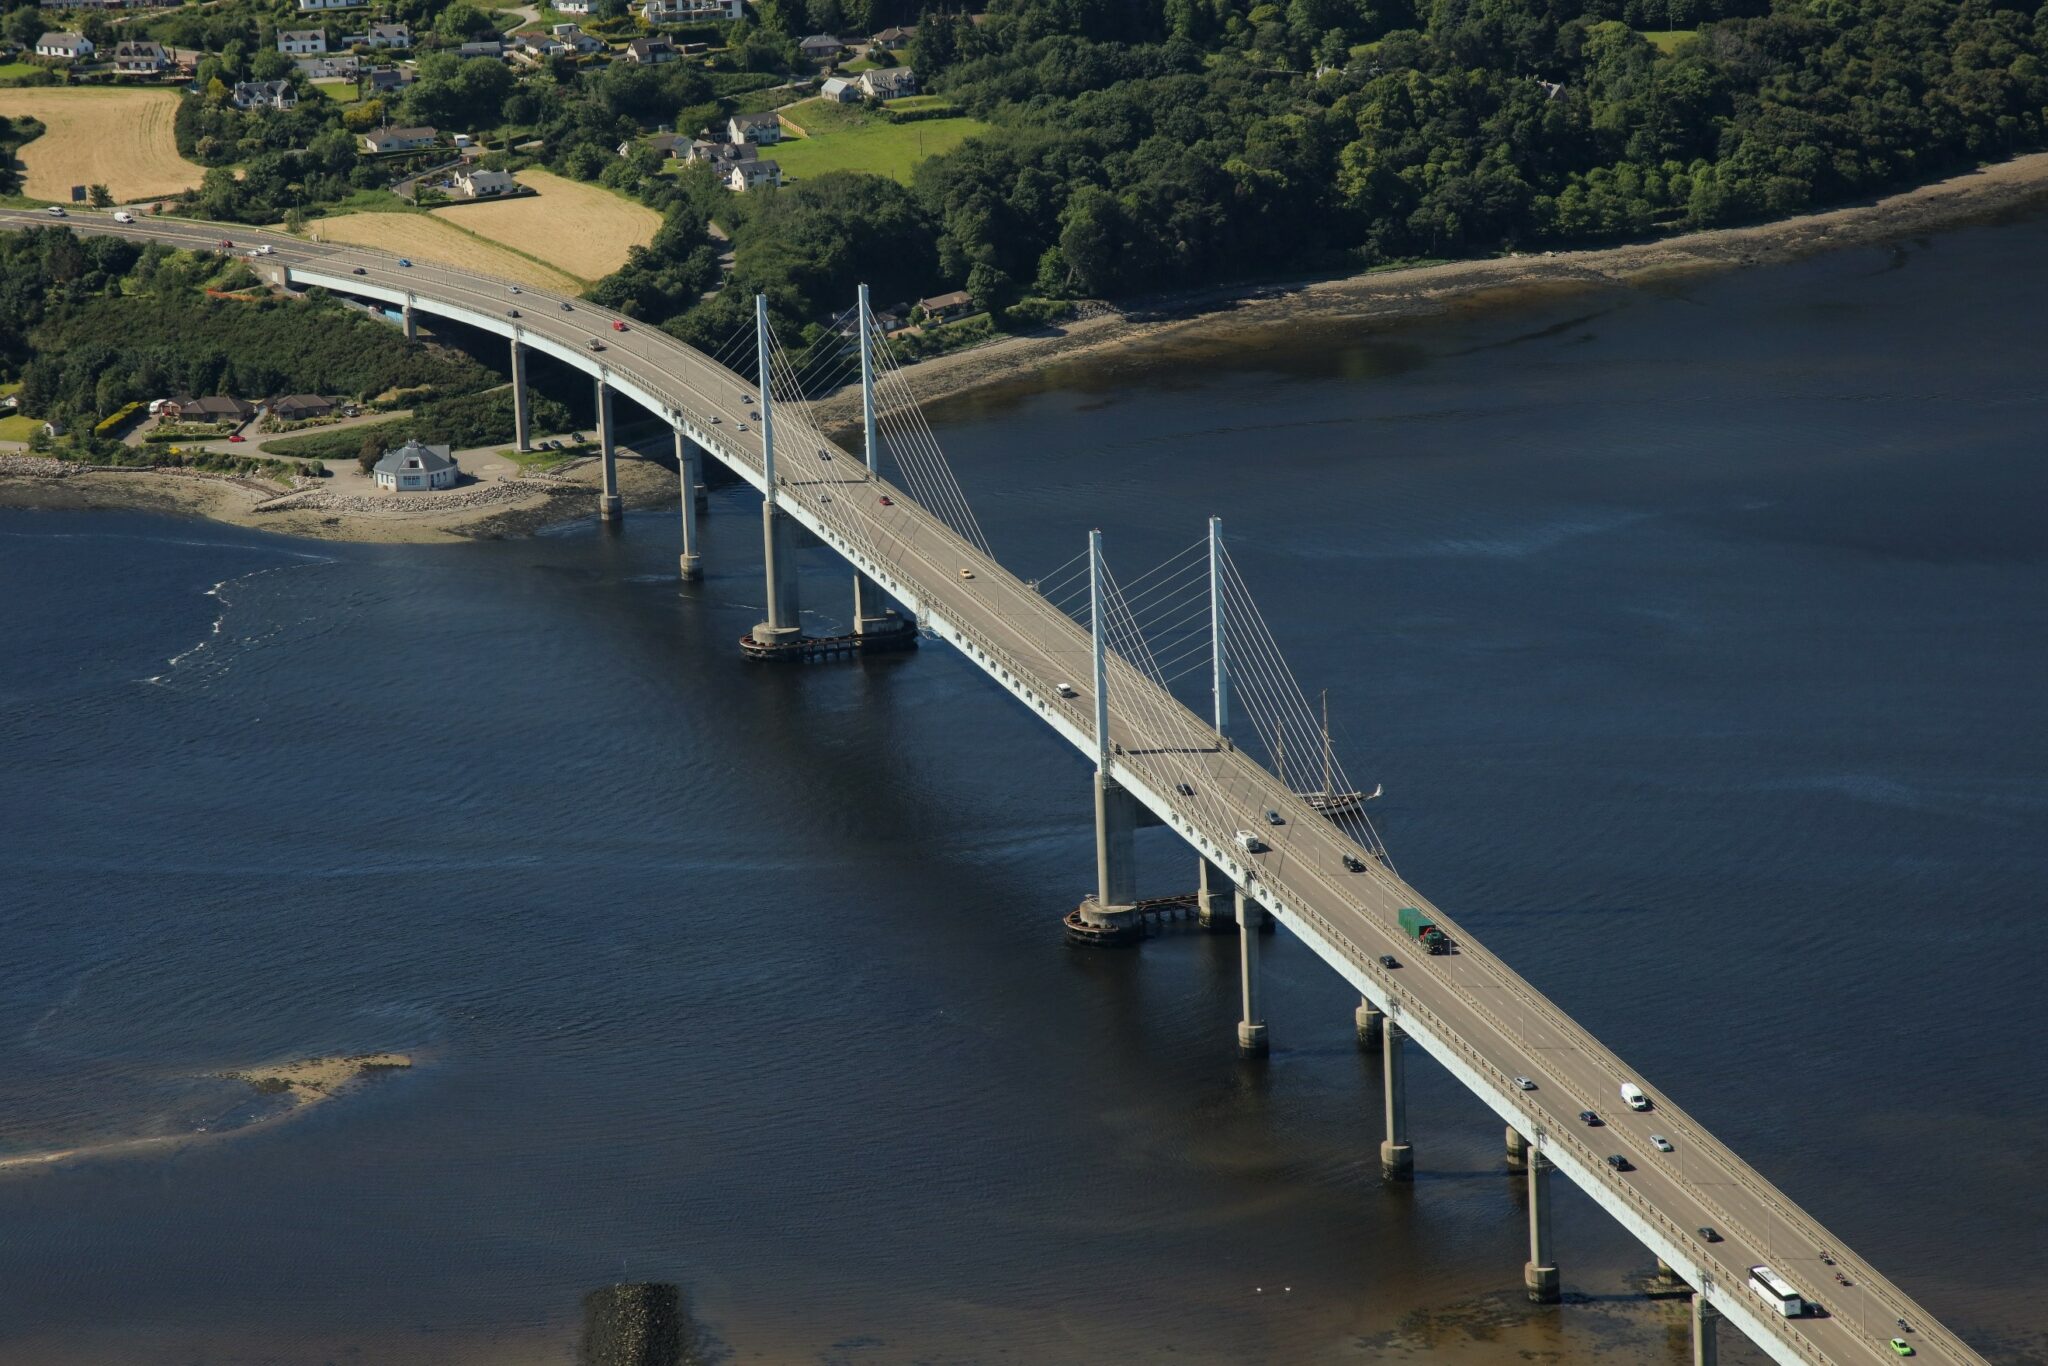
x=381 y=35
x=575 y=38
x=413 y=467
x=760 y=128
x=311 y=6
x=840 y=91
x=141 y=59
x=399 y=139
x=302 y=42
x=888 y=83
x=650 y=51
x=265 y=95
x=572 y=6
x=475 y=184
x=72 y=47
x=689 y=11
x=748 y=175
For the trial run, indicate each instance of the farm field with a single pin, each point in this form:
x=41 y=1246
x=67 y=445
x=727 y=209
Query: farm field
x=103 y=136
x=423 y=237
x=843 y=139
x=586 y=230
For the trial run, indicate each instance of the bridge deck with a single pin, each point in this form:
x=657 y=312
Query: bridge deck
x=1468 y=1009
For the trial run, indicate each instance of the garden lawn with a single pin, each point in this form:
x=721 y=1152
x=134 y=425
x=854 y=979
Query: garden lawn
x=341 y=92
x=1667 y=39
x=15 y=427
x=872 y=145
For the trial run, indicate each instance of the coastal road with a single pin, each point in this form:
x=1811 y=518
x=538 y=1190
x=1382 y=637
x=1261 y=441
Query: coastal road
x=1468 y=1010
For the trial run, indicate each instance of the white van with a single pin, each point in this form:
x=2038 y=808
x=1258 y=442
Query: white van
x=1633 y=1094
x=123 y=216
x=1250 y=843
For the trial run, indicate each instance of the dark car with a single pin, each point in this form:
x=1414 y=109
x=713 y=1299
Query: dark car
x=887 y=501
x=1592 y=1120
x=1353 y=864
x=511 y=312
x=1275 y=818
x=1185 y=789
x=1618 y=1162
x=595 y=344
x=403 y=262
x=359 y=271
x=1710 y=1233
x=1387 y=960
x=568 y=307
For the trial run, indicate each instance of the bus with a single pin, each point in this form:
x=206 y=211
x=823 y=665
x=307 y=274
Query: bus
x=1776 y=1292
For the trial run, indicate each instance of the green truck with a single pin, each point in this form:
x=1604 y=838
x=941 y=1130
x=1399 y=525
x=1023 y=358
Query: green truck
x=1423 y=930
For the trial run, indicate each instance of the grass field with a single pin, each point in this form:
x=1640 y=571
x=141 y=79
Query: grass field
x=584 y=229
x=1666 y=39
x=848 y=138
x=341 y=92
x=424 y=237
x=15 y=427
x=102 y=136
x=14 y=70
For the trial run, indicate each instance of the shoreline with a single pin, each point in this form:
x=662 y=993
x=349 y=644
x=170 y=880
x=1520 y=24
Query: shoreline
x=1228 y=313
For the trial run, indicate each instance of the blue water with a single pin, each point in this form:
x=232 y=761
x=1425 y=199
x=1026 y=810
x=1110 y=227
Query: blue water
x=1696 y=633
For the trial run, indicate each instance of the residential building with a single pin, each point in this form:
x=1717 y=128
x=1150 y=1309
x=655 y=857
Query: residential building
x=485 y=47
x=723 y=155
x=214 y=408
x=942 y=306
x=650 y=51
x=669 y=145
x=840 y=91
x=69 y=47
x=572 y=6
x=538 y=45
x=761 y=128
x=301 y=407
x=894 y=39
x=399 y=139
x=301 y=42
x=689 y=11
x=381 y=36
x=575 y=38
x=265 y=95
x=748 y=175
x=310 y=6
x=389 y=80
x=475 y=184
x=337 y=68
x=141 y=59
x=888 y=83
x=820 y=47
x=414 y=467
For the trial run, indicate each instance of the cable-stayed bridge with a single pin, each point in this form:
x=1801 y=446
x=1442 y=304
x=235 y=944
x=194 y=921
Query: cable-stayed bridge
x=1175 y=691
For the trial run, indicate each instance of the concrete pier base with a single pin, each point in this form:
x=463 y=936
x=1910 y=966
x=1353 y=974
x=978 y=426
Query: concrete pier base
x=522 y=421
x=1370 y=1022
x=1251 y=1029
x=688 y=563
x=1213 y=909
x=1706 y=1336
x=609 y=505
x=1518 y=1149
x=1540 y=1273
x=783 y=624
x=1397 y=1159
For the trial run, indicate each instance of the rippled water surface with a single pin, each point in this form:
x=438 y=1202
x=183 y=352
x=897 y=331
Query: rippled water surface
x=1697 y=635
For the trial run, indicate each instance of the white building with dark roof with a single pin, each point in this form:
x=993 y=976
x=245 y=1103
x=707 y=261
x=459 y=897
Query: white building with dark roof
x=414 y=467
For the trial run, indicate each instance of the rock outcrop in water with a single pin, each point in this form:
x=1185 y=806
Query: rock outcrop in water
x=643 y=1323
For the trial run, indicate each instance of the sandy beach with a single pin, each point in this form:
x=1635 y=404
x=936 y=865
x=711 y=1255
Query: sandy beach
x=502 y=502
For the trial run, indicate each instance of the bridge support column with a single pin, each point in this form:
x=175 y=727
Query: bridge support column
x=1518 y=1149
x=1211 y=911
x=608 y=498
x=1540 y=1275
x=412 y=322
x=1397 y=1159
x=688 y=567
x=1370 y=1024
x=1668 y=1273
x=1251 y=1030
x=1706 y=1337
x=872 y=614
x=784 y=622
x=522 y=417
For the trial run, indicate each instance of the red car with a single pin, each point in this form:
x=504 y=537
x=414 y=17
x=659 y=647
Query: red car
x=226 y=245
x=618 y=324
x=238 y=437
x=887 y=501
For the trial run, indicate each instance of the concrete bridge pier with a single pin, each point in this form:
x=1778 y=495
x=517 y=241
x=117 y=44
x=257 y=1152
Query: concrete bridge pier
x=1108 y=915
x=412 y=322
x=872 y=613
x=1251 y=1029
x=1370 y=1023
x=784 y=622
x=1668 y=1273
x=1211 y=911
x=1518 y=1149
x=1706 y=1337
x=688 y=565
x=1540 y=1275
x=608 y=505
x=522 y=417
x=1397 y=1159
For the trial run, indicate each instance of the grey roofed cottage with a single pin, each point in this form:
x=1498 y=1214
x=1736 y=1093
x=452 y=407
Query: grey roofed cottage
x=889 y=83
x=945 y=305
x=483 y=47
x=399 y=139
x=300 y=407
x=415 y=466
x=894 y=39
x=265 y=95
x=840 y=90
x=723 y=154
x=141 y=58
x=213 y=408
x=71 y=45
x=754 y=128
x=820 y=45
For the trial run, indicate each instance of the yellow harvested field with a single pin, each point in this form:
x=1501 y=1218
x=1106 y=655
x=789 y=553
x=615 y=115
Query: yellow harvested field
x=104 y=136
x=584 y=229
x=423 y=237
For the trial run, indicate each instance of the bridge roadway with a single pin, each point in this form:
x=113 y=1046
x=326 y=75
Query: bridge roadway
x=1468 y=1010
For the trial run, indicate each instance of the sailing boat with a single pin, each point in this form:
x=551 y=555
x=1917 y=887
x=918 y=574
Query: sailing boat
x=1330 y=802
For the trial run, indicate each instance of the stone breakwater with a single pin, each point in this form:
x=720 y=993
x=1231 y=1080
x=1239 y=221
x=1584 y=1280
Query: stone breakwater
x=450 y=500
x=35 y=467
